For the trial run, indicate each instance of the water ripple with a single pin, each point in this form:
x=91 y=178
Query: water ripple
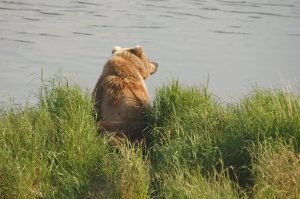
x=99 y=15
x=24 y=41
x=294 y=35
x=82 y=33
x=188 y=14
x=17 y=3
x=21 y=9
x=146 y=27
x=160 y=6
x=103 y=26
x=230 y=32
x=31 y=9
x=48 y=35
x=31 y=19
x=261 y=13
x=37 y=34
x=61 y=6
x=244 y=3
x=87 y=3
x=50 y=13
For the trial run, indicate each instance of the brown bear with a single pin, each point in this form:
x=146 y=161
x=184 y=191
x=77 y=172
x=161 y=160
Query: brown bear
x=121 y=97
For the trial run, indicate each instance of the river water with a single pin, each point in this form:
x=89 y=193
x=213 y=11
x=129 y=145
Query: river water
x=233 y=43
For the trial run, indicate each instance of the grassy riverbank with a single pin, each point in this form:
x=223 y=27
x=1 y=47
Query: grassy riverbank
x=196 y=147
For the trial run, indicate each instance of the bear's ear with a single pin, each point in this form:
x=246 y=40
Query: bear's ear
x=138 y=50
x=115 y=49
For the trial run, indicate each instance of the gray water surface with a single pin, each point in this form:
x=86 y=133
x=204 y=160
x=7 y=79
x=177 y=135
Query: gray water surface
x=234 y=42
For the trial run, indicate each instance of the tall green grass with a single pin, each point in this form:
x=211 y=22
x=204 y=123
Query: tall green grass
x=53 y=150
x=195 y=147
x=190 y=129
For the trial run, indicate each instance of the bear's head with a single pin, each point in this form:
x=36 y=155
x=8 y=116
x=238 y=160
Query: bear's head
x=148 y=68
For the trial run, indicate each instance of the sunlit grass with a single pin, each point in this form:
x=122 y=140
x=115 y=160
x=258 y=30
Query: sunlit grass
x=190 y=129
x=195 y=147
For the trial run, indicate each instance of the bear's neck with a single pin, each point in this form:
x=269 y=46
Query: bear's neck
x=127 y=67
